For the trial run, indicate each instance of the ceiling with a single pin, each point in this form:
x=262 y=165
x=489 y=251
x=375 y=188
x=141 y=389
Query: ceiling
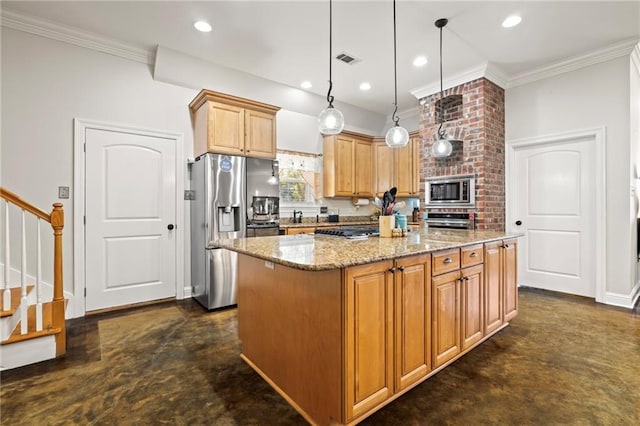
x=288 y=41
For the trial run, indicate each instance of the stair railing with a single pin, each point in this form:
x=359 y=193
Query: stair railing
x=56 y=219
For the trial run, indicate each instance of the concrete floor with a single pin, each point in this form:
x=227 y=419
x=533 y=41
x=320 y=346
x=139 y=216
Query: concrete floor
x=563 y=360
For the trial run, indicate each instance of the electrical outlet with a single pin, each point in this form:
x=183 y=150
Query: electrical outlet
x=189 y=194
x=324 y=209
x=63 y=192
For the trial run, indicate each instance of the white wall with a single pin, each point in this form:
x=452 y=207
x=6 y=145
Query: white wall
x=590 y=97
x=47 y=83
x=634 y=117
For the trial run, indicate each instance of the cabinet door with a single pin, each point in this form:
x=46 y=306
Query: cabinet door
x=260 y=134
x=472 y=306
x=445 y=296
x=344 y=150
x=492 y=287
x=363 y=175
x=412 y=319
x=225 y=133
x=510 y=279
x=305 y=230
x=383 y=168
x=369 y=337
x=406 y=170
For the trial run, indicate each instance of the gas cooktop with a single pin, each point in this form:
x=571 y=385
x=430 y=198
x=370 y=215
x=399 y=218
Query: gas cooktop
x=353 y=232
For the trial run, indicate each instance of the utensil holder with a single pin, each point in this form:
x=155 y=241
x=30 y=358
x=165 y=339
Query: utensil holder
x=386 y=224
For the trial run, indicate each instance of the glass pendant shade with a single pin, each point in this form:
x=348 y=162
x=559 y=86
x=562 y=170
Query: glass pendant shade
x=397 y=137
x=330 y=121
x=441 y=148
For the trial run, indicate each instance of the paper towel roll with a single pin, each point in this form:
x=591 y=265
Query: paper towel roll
x=360 y=201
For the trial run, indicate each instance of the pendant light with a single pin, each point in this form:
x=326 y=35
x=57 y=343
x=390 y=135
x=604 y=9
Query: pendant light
x=397 y=136
x=442 y=147
x=330 y=120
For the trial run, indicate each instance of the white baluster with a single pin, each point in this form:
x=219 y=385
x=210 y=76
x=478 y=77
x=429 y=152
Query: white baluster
x=23 y=273
x=6 y=294
x=38 y=282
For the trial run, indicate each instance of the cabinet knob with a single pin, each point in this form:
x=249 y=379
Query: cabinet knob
x=518 y=222
x=170 y=227
x=447 y=260
x=401 y=268
x=473 y=254
x=392 y=270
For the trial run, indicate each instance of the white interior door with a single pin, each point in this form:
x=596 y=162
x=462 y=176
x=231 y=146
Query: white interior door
x=555 y=203
x=129 y=204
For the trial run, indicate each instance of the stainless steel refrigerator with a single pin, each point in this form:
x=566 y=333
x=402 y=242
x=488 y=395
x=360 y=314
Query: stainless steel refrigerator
x=218 y=211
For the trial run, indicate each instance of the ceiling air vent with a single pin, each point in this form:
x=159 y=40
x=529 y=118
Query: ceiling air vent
x=347 y=58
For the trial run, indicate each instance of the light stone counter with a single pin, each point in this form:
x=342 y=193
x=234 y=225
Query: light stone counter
x=320 y=252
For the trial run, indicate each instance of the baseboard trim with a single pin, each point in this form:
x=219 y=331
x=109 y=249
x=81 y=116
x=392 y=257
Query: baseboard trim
x=624 y=300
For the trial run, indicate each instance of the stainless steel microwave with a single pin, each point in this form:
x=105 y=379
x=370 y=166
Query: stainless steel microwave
x=450 y=191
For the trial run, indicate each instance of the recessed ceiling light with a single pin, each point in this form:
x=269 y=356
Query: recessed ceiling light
x=306 y=84
x=202 y=26
x=365 y=85
x=511 y=21
x=419 y=61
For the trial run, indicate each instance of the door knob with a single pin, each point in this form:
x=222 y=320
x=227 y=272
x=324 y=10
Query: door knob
x=170 y=227
x=518 y=222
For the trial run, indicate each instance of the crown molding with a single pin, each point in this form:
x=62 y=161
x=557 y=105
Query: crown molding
x=19 y=22
x=635 y=58
x=486 y=70
x=601 y=55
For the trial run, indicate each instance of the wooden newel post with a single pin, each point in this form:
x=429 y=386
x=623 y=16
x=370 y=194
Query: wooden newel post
x=57 y=223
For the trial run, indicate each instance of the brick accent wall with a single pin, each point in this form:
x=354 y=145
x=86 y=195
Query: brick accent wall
x=481 y=128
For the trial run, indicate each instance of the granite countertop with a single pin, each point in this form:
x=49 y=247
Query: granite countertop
x=320 y=252
x=330 y=224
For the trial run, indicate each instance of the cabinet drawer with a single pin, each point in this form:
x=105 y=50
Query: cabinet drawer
x=471 y=255
x=446 y=261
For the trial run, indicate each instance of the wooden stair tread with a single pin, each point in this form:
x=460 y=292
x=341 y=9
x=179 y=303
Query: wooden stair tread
x=16 y=295
x=47 y=325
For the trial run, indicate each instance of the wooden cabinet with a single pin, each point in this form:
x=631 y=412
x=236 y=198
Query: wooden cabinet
x=510 y=278
x=347 y=165
x=412 y=320
x=300 y=230
x=458 y=302
x=446 y=317
x=231 y=125
x=501 y=291
x=388 y=336
x=369 y=337
x=397 y=167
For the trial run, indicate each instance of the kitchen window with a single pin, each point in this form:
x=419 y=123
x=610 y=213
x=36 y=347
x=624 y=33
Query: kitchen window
x=299 y=179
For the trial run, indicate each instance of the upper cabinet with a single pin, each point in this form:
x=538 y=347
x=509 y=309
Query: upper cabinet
x=347 y=165
x=397 y=167
x=231 y=125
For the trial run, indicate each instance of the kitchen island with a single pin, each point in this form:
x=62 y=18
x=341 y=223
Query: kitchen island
x=342 y=327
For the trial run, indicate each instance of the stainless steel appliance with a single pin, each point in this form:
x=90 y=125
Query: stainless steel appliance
x=263 y=196
x=451 y=220
x=218 y=211
x=450 y=191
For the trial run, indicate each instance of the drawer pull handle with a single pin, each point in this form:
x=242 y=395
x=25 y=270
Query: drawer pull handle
x=447 y=260
x=474 y=254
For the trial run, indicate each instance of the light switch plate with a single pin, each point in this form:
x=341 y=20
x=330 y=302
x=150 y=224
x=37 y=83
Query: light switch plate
x=63 y=192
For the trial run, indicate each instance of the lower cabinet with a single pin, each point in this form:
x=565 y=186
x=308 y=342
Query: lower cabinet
x=405 y=318
x=388 y=336
x=500 y=268
x=300 y=230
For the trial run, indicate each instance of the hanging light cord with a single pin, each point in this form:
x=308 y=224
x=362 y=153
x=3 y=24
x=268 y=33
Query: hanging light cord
x=329 y=97
x=394 y=117
x=441 y=133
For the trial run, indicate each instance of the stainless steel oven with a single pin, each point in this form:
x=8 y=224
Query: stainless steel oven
x=451 y=220
x=450 y=191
